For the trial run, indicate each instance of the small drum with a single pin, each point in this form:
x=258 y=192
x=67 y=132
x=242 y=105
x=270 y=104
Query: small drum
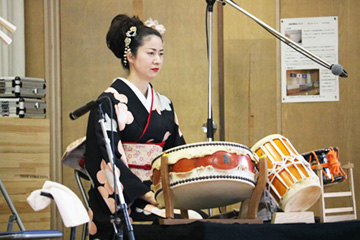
x=327 y=157
x=206 y=175
x=291 y=182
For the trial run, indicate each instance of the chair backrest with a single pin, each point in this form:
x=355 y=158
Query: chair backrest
x=74 y=157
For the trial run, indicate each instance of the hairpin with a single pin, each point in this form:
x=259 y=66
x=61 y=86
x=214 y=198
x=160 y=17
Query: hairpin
x=129 y=34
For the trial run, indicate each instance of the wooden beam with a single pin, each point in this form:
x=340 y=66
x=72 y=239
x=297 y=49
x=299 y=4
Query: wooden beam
x=138 y=8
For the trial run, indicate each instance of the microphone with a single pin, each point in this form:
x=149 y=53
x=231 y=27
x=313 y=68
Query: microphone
x=88 y=107
x=338 y=70
x=210 y=4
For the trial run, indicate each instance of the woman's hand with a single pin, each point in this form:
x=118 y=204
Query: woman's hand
x=150 y=197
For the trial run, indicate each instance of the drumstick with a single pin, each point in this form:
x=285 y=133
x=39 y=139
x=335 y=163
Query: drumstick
x=10 y=27
x=5 y=38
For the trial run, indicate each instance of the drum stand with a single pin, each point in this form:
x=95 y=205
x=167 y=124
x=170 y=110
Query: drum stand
x=345 y=213
x=169 y=205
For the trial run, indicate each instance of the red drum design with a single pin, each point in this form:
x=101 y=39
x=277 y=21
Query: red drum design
x=206 y=175
x=292 y=184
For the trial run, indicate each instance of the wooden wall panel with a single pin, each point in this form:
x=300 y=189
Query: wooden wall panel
x=184 y=77
x=88 y=66
x=312 y=126
x=25 y=161
x=250 y=73
x=34 y=34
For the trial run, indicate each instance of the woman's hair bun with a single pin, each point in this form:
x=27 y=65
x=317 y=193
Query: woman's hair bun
x=117 y=32
x=116 y=35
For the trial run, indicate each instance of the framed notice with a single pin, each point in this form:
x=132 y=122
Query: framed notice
x=303 y=80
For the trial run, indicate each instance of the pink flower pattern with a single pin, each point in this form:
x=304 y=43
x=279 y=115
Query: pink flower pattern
x=92 y=225
x=105 y=177
x=124 y=117
x=177 y=123
x=156 y=105
x=122 y=152
x=166 y=136
x=120 y=97
x=141 y=154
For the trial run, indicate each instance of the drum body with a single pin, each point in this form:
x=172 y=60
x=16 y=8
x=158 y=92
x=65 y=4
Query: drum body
x=320 y=156
x=292 y=184
x=206 y=175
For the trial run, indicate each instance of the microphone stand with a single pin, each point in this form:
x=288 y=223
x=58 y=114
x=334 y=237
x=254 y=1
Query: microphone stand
x=123 y=221
x=209 y=125
x=336 y=69
x=119 y=222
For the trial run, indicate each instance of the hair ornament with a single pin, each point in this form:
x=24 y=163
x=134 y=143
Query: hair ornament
x=155 y=24
x=129 y=34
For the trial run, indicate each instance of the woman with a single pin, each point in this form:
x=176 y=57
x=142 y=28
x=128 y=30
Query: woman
x=140 y=124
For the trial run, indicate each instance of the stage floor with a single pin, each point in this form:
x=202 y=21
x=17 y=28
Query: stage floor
x=205 y=230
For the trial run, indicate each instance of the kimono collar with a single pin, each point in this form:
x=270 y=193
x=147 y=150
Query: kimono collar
x=146 y=101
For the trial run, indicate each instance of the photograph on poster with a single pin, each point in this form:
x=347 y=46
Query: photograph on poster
x=295 y=35
x=303 y=80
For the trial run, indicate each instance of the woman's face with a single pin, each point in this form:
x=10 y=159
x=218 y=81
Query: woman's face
x=149 y=58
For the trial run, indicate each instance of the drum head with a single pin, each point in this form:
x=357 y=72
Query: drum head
x=301 y=196
x=208 y=193
x=264 y=140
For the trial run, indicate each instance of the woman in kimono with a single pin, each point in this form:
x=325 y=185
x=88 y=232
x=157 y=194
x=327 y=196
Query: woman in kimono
x=140 y=123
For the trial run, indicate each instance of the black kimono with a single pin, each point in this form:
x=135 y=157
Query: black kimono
x=128 y=120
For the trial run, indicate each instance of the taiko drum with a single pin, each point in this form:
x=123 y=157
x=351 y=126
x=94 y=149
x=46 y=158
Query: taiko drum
x=291 y=182
x=206 y=175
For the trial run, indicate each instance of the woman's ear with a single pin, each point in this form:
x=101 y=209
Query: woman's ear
x=130 y=57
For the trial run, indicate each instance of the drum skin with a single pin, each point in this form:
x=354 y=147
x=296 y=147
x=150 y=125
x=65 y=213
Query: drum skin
x=207 y=174
x=291 y=182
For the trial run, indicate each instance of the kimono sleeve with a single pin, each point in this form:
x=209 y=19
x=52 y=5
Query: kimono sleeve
x=176 y=137
x=97 y=158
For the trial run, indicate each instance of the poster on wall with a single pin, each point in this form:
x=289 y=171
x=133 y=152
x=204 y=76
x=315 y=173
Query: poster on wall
x=303 y=80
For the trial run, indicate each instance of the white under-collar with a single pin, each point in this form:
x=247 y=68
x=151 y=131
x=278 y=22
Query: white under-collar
x=146 y=101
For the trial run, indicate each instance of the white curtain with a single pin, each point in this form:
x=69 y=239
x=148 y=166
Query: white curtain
x=12 y=57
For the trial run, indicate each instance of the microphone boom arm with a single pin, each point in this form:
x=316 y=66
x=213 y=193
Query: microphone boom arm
x=333 y=67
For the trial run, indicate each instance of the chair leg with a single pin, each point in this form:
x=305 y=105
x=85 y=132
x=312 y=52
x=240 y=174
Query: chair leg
x=84 y=196
x=84 y=231
x=73 y=233
x=15 y=215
